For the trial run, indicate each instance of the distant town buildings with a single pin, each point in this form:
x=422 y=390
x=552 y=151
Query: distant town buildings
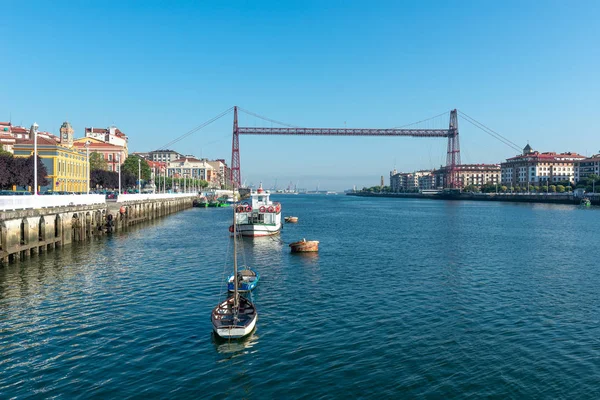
x=470 y=174
x=111 y=135
x=585 y=167
x=533 y=167
x=164 y=155
x=411 y=181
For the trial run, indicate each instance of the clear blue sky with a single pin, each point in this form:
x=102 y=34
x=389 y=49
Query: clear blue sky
x=157 y=69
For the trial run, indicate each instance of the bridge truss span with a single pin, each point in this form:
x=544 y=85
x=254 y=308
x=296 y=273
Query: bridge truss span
x=344 y=132
x=452 y=157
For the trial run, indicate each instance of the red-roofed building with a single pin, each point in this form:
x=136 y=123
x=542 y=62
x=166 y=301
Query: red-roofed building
x=113 y=155
x=7 y=140
x=111 y=135
x=534 y=168
x=157 y=169
x=469 y=174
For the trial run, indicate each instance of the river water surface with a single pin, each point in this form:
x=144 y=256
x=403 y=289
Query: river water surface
x=407 y=298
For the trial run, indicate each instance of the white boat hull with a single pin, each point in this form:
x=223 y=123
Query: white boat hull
x=256 y=230
x=237 y=332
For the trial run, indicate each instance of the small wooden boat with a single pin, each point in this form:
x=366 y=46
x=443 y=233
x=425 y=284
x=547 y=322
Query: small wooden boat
x=304 y=246
x=292 y=220
x=234 y=318
x=247 y=281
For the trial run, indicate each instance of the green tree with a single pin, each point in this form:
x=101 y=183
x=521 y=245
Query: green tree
x=560 y=188
x=97 y=162
x=503 y=189
x=131 y=165
x=552 y=188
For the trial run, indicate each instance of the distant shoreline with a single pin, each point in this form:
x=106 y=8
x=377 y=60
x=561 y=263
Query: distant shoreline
x=551 y=198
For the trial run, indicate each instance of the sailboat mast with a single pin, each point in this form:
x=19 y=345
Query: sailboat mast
x=235 y=268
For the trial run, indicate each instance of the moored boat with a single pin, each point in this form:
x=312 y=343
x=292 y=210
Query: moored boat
x=236 y=316
x=305 y=246
x=292 y=220
x=585 y=202
x=258 y=217
x=247 y=280
x=201 y=202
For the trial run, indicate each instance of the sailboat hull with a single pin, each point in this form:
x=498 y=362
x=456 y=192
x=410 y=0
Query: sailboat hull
x=229 y=325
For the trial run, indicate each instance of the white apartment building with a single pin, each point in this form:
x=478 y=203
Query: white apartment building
x=189 y=167
x=586 y=167
x=533 y=167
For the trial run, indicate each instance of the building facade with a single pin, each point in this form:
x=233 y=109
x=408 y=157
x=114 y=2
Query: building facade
x=157 y=171
x=66 y=167
x=411 y=181
x=469 y=174
x=222 y=174
x=111 y=135
x=164 y=155
x=586 y=167
x=114 y=155
x=534 y=168
x=190 y=168
x=7 y=140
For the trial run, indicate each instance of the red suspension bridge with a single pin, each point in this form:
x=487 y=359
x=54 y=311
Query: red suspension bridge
x=452 y=156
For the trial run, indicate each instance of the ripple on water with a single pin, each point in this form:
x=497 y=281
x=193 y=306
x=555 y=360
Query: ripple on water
x=406 y=298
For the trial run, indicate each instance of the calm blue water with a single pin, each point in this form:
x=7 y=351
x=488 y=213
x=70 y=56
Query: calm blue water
x=408 y=298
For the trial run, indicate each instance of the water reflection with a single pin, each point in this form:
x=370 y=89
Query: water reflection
x=236 y=347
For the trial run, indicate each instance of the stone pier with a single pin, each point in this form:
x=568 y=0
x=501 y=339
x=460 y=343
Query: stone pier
x=24 y=233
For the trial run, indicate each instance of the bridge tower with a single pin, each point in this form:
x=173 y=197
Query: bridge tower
x=453 y=155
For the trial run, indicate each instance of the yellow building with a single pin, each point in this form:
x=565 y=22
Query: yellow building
x=66 y=166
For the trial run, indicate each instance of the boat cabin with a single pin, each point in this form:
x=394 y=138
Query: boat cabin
x=260 y=209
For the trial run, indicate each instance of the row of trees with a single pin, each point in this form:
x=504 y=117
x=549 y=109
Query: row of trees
x=100 y=177
x=18 y=171
x=590 y=184
x=492 y=188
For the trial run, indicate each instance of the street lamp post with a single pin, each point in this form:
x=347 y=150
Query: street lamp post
x=87 y=153
x=119 y=160
x=35 y=163
x=139 y=175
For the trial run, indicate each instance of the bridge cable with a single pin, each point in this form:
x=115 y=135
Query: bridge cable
x=196 y=129
x=490 y=132
x=267 y=119
x=425 y=120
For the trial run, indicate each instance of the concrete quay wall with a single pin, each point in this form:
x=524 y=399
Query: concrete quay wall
x=24 y=233
x=517 y=198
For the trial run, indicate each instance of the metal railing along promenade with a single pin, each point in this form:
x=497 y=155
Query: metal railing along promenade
x=123 y=198
x=33 y=202
x=8 y=203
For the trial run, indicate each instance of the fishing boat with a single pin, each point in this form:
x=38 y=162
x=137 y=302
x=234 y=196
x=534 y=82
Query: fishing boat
x=247 y=280
x=305 y=246
x=236 y=316
x=585 y=202
x=258 y=217
x=201 y=202
x=292 y=220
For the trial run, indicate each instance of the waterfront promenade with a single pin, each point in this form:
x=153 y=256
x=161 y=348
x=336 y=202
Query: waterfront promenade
x=548 y=198
x=30 y=225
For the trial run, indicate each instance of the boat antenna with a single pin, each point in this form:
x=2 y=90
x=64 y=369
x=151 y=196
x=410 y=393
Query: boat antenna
x=235 y=267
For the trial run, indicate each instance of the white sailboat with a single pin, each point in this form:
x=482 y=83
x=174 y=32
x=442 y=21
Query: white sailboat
x=235 y=317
